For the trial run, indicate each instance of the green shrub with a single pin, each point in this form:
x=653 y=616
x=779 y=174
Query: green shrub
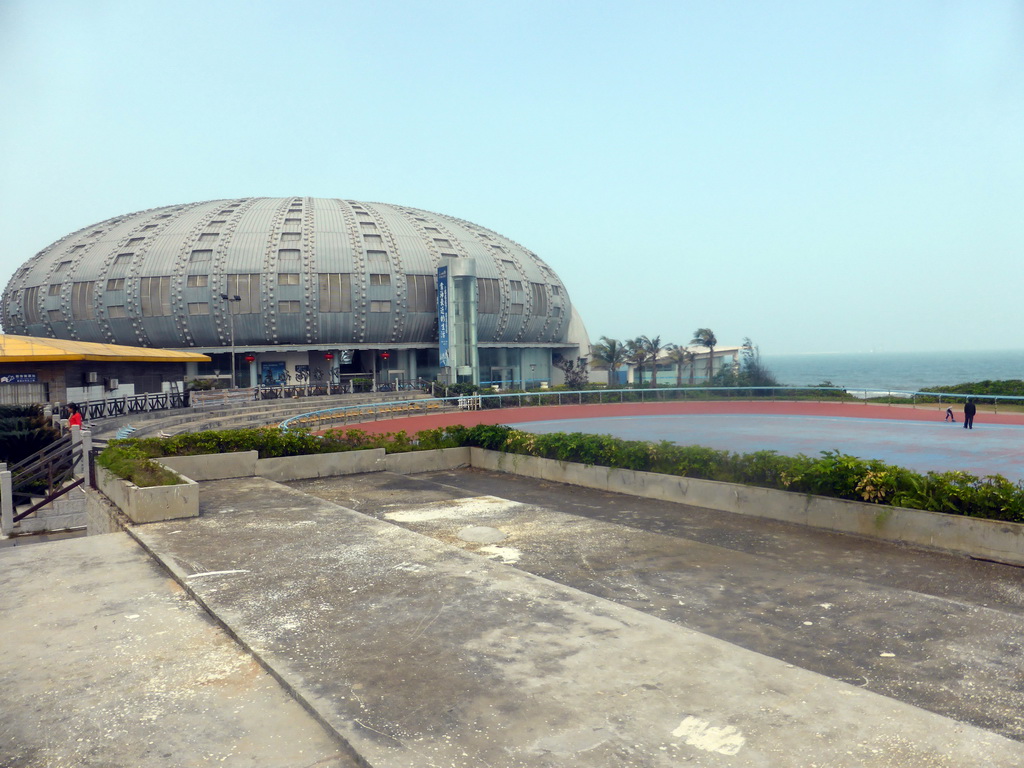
x=832 y=473
x=24 y=430
x=131 y=463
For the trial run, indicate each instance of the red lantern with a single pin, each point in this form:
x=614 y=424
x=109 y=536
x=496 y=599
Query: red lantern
x=250 y=358
x=385 y=355
x=329 y=356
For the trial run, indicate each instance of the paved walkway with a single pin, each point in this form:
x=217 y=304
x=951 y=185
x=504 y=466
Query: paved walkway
x=421 y=654
x=106 y=662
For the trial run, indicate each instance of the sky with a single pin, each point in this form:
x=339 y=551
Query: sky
x=817 y=176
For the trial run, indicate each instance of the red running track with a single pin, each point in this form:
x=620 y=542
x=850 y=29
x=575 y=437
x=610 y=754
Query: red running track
x=931 y=412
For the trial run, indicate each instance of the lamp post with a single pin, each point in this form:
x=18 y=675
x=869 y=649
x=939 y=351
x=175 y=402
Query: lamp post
x=231 y=323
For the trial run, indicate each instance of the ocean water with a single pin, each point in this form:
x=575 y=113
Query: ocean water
x=890 y=370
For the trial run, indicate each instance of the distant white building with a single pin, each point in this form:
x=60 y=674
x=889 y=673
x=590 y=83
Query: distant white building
x=694 y=372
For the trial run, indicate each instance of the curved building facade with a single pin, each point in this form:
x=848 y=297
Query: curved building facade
x=295 y=276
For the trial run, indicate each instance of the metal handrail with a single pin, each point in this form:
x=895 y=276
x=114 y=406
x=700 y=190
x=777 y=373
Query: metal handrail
x=573 y=397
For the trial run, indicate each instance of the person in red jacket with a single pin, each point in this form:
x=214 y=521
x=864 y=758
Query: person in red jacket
x=75 y=419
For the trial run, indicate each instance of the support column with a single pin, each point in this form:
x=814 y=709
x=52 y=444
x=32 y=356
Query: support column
x=86 y=450
x=6 y=502
x=410 y=364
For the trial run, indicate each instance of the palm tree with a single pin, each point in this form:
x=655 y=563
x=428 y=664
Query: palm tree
x=653 y=348
x=705 y=337
x=680 y=355
x=636 y=354
x=611 y=353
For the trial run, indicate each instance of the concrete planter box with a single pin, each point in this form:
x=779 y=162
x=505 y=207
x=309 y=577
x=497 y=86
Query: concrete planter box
x=287 y=468
x=148 y=505
x=213 y=466
x=976 y=537
x=427 y=461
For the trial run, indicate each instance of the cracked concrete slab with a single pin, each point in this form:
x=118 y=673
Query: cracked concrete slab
x=421 y=653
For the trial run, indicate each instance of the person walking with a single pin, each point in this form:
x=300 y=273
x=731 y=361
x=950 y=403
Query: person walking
x=949 y=415
x=969 y=410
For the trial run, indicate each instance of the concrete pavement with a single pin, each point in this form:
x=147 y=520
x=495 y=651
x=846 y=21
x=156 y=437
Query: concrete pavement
x=474 y=619
x=105 y=661
x=422 y=654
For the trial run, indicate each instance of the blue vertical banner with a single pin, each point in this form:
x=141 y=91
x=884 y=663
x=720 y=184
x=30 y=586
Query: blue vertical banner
x=442 y=315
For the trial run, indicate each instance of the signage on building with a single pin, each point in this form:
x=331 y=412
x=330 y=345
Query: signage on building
x=442 y=316
x=19 y=378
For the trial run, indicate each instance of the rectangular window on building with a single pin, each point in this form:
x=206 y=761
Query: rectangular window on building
x=377 y=256
x=556 y=311
x=288 y=307
x=368 y=226
x=81 y=300
x=135 y=241
x=376 y=279
x=432 y=230
x=31 y=304
x=288 y=278
x=116 y=284
x=380 y=306
x=215 y=225
x=290 y=236
x=440 y=242
x=116 y=310
x=208 y=237
x=422 y=293
x=247 y=287
x=488 y=296
x=540 y=299
x=198 y=281
x=517 y=309
x=293 y=223
x=373 y=241
x=54 y=289
x=201 y=255
x=289 y=254
x=335 y=292
x=123 y=258
x=556 y=291
x=199 y=307
x=61 y=267
x=155 y=293
x=55 y=316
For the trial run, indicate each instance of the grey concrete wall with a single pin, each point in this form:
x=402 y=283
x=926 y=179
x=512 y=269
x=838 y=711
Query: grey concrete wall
x=101 y=516
x=989 y=539
x=148 y=505
x=288 y=468
x=427 y=461
x=213 y=466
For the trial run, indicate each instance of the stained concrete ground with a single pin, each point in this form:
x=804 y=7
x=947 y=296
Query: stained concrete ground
x=470 y=618
x=420 y=649
x=106 y=662
x=937 y=631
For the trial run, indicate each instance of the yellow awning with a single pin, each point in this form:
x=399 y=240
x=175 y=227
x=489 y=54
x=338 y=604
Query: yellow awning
x=33 y=349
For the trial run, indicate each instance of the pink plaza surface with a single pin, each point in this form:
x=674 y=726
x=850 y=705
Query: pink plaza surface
x=917 y=438
x=930 y=412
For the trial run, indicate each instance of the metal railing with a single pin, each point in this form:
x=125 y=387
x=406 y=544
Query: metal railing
x=119 y=406
x=45 y=476
x=327 y=417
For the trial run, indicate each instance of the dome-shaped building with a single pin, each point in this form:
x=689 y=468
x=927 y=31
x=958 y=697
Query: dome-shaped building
x=293 y=283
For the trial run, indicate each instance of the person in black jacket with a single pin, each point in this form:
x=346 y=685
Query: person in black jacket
x=969 y=409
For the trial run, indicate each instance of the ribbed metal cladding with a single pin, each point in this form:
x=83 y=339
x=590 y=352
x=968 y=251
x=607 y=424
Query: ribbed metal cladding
x=306 y=270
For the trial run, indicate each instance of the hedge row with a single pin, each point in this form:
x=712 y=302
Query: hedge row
x=831 y=474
